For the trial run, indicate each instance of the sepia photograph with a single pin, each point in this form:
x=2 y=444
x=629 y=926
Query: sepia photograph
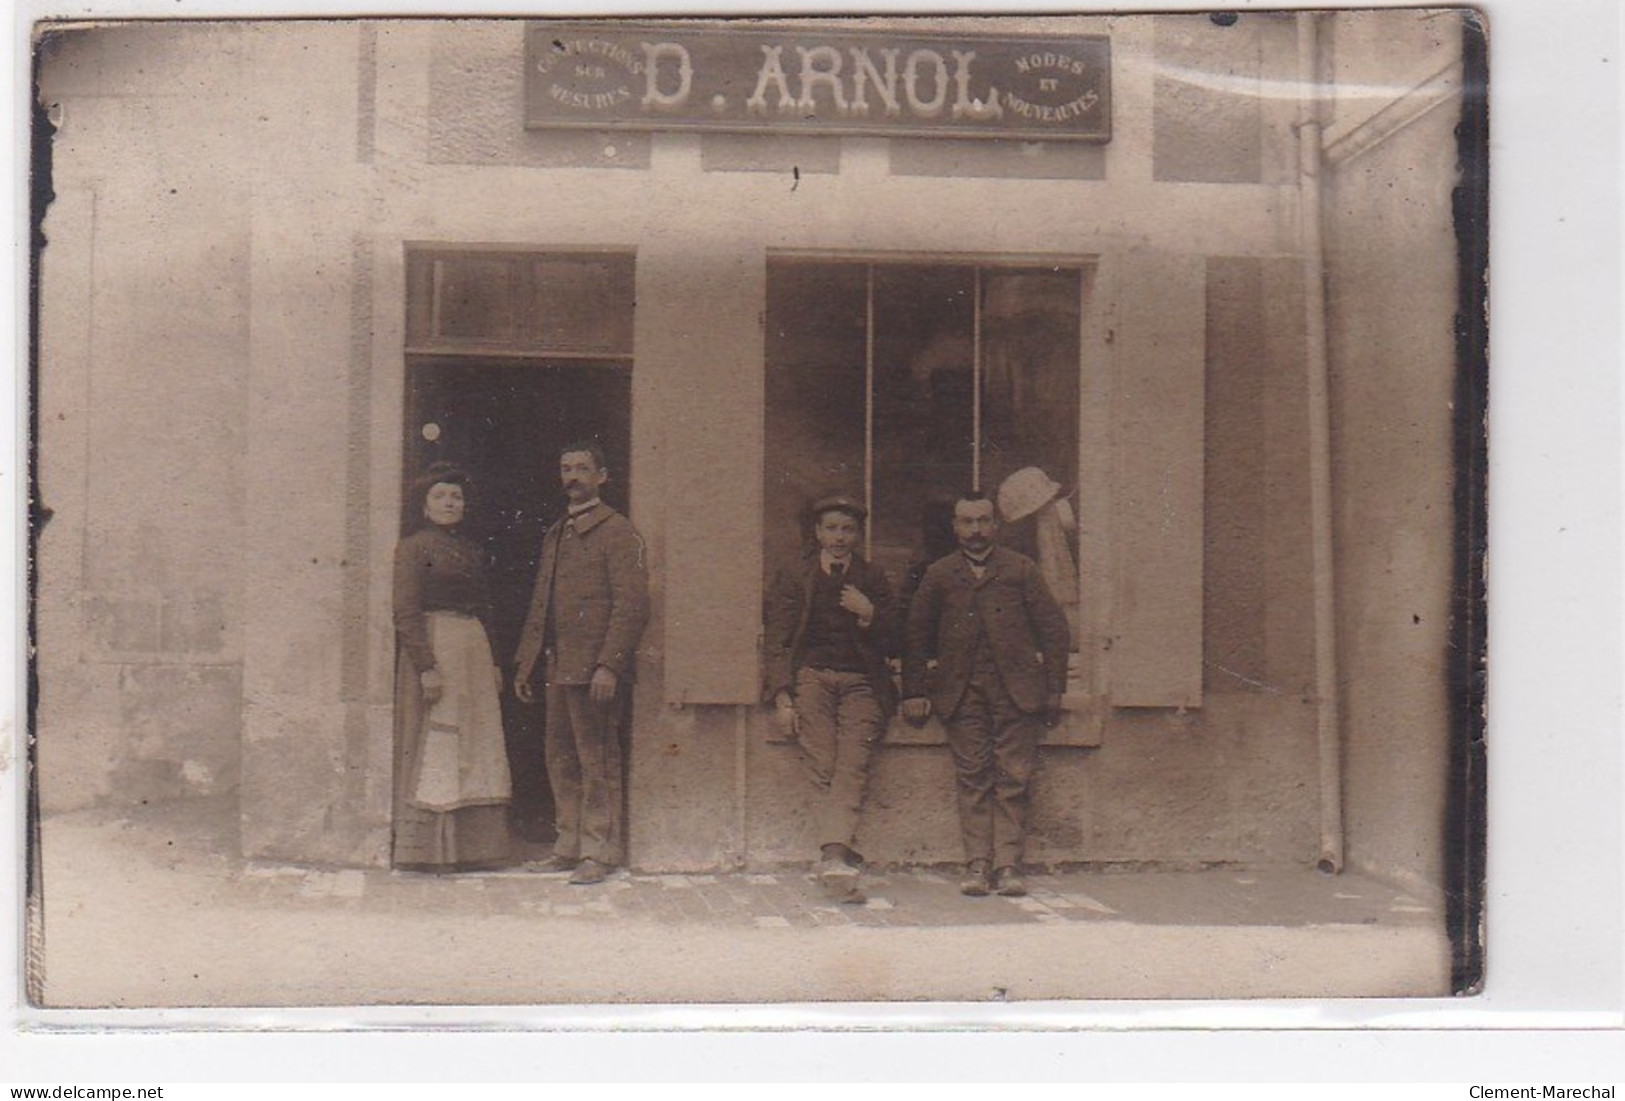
x=786 y=511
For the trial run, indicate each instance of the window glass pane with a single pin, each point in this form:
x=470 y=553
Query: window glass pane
x=924 y=354
x=815 y=395
x=475 y=299
x=1030 y=416
x=581 y=304
x=922 y=399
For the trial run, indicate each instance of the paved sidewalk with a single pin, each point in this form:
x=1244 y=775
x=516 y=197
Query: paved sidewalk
x=903 y=897
x=155 y=910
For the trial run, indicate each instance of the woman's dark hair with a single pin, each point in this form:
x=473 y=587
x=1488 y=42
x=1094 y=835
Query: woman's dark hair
x=440 y=473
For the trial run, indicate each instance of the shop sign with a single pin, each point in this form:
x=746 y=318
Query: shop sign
x=667 y=77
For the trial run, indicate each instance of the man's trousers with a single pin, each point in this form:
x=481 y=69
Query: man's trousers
x=995 y=750
x=586 y=770
x=838 y=724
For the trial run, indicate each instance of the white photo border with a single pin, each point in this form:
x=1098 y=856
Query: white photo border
x=1554 y=980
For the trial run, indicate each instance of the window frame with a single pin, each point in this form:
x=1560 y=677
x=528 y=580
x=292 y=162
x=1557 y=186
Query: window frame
x=1084 y=700
x=422 y=334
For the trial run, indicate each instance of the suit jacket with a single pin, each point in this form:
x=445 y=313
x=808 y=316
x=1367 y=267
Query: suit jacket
x=784 y=618
x=594 y=573
x=1025 y=630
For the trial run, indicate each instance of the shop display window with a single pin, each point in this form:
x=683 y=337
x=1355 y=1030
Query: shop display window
x=904 y=383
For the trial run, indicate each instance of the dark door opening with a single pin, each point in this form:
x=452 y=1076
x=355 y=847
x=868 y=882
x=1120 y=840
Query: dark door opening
x=505 y=422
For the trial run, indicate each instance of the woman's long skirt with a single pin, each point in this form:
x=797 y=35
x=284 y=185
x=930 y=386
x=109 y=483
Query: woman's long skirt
x=452 y=785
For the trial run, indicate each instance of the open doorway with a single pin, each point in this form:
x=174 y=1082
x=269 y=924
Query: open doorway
x=505 y=420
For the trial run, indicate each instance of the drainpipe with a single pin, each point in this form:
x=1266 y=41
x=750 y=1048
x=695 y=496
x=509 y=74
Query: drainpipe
x=1310 y=163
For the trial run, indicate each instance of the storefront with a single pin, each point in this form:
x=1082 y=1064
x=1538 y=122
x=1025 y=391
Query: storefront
x=822 y=257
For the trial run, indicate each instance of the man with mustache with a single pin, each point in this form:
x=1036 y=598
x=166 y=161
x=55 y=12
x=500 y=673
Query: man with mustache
x=986 y=650
x=587 y=614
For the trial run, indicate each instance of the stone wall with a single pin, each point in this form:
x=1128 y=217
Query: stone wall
x=143 y=382
x=1392 y=290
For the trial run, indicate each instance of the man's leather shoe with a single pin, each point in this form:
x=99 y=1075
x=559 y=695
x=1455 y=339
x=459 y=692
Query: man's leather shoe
x=590 y=872
x=1008 y=882
x=554 y=863
x=975 y=882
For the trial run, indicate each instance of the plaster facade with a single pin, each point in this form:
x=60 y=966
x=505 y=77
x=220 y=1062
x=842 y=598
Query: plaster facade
x=223 y=392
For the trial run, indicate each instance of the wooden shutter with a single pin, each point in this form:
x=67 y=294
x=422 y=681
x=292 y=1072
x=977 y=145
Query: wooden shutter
x=699 y=352
x=1158 y=335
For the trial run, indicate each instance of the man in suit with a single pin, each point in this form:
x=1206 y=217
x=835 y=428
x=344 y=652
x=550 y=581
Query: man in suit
x=830 y=624
x=588 y=612
x=986 y=650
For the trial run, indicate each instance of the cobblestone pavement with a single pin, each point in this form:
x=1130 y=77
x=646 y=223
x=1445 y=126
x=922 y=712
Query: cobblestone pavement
x=155 y=908
x=896 y=897
x=782 y=899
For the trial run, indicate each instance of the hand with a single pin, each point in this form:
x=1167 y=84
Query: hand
x=429 y=679
x=784 y=714
x=496 y=675
x=1052 y=711
x=858 y=604
x=522 y=689
x=917 y=710
x=602 y=689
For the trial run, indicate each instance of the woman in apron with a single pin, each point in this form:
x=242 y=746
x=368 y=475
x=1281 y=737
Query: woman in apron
x=452 y=785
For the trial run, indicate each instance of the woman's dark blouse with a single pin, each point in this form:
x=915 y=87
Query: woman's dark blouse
x=436 y=571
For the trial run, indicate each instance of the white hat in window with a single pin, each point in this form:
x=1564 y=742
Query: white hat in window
x=1025 y=492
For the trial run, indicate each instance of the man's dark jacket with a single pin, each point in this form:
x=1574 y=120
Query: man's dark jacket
x=789 y=604
x=1025 y=629
x=596 y=573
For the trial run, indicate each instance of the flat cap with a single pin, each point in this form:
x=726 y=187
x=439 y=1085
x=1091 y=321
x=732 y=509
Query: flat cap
x=839 y=502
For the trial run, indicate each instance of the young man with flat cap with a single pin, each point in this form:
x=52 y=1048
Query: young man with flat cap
x=588 y=612
x=986 y=651
x=831 y=623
